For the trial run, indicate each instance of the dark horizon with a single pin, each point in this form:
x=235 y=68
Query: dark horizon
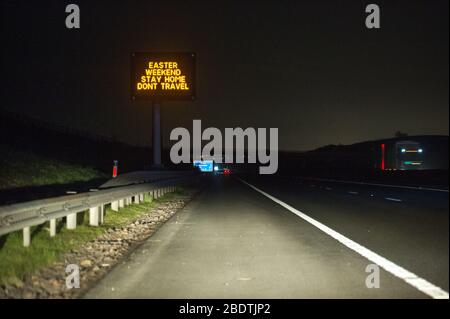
x=320 y=81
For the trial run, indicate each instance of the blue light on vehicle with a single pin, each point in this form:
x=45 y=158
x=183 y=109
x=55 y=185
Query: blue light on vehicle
x=204 y=166
x=197 y=163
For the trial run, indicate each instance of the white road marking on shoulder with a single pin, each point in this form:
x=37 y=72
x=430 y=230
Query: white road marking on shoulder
x=393 y=199
x=353 y=192
x=412 y=279
x=419 y=188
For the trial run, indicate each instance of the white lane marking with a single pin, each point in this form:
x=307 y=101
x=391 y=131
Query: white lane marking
x=400 y=272
x=382 y=185
x=393 y=199
x=353 y=192
x=328 y=188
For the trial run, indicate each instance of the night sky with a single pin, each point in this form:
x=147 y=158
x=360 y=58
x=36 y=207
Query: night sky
x=311 y=69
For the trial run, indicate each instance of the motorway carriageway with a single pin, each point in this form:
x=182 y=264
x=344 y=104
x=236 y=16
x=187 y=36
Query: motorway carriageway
x=271 y=237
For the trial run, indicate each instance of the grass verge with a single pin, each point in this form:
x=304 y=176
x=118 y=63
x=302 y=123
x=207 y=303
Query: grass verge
x=17 y=261
x=26 y=169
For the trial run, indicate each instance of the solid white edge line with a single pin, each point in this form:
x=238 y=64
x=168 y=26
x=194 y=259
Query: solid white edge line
x=410 y=278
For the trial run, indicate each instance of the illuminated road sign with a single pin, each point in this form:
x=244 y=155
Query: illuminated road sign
x=161 y=76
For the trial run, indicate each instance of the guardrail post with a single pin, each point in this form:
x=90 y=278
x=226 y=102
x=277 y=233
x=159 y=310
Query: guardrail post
x=141 y=197
x=136 y=199
x=121 y=203
x=26 y=236
x=115 y=206
x=102 y=213
x=93 y=216
x=72 y=221
x=53 y=227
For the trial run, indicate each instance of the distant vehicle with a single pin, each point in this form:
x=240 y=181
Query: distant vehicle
x=220 y=170
x=409 y=155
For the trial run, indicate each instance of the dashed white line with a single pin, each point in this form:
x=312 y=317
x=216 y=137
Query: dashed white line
x=412 y=279
x=393 y=199
x=420 y=188
x=353 y=192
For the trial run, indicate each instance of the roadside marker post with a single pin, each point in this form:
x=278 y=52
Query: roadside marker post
x=115 y=168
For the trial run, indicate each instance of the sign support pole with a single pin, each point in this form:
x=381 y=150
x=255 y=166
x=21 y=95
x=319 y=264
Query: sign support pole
x=157 y=134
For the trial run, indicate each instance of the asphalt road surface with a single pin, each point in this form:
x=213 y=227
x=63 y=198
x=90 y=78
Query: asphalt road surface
x=233 y=241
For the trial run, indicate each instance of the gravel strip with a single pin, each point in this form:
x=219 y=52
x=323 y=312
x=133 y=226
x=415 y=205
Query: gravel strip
x=97 y=257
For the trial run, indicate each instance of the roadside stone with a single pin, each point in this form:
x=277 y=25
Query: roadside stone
x=86 y=263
